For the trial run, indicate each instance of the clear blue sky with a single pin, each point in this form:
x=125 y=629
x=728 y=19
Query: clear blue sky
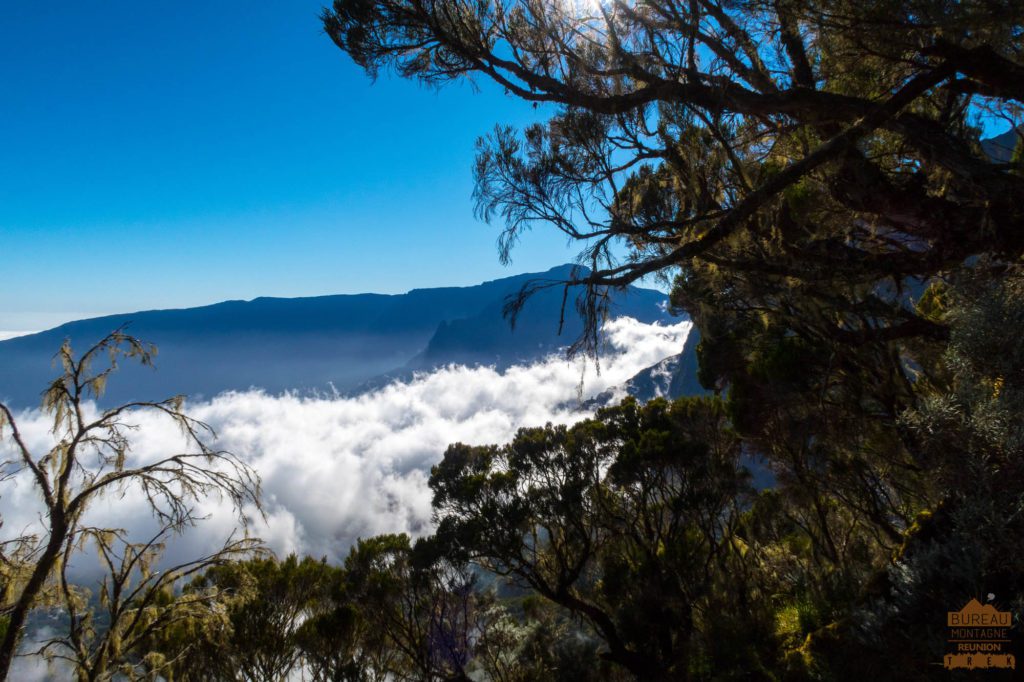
x=180 y=153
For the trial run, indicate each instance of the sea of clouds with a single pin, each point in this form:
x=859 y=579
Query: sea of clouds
x=334 y=468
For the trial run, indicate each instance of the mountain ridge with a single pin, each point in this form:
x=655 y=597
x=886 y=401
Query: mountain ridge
x=316 y=343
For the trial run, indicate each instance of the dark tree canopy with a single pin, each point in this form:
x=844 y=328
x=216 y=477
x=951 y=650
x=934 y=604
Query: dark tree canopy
x=793 y=143
x=629 y=521
x=812 y=178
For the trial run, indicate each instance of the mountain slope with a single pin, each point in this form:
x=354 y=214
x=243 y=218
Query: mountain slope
x=485 y=337
x=1001 y=147
x=673 y=377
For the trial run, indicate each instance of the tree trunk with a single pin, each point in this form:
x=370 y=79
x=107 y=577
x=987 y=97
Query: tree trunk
x=19 y=614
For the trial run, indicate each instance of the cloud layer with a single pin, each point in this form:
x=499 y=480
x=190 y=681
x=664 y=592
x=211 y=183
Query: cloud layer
x=334 y=468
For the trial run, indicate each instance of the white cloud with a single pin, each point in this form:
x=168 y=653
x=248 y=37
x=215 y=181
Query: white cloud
x=34 y=668
x=337 y=468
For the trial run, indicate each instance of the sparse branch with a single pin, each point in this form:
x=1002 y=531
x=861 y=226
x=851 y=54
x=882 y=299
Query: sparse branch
x=136 y=602
x=171 y=486
x=26 y=456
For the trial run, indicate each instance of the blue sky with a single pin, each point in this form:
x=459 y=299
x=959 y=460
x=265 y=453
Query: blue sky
x=174 y=154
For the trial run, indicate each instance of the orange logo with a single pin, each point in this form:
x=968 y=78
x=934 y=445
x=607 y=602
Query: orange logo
x=979 y=635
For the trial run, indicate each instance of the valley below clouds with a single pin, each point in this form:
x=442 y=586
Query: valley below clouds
x=336 y=468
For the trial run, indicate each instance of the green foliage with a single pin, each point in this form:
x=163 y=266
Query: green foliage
x=273 y=597
x=627 y=521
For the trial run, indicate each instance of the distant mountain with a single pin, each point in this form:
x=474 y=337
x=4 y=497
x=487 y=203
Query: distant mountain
x=316 y=343
x=485 y=337
x=1000 y=148
x=673 y=377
